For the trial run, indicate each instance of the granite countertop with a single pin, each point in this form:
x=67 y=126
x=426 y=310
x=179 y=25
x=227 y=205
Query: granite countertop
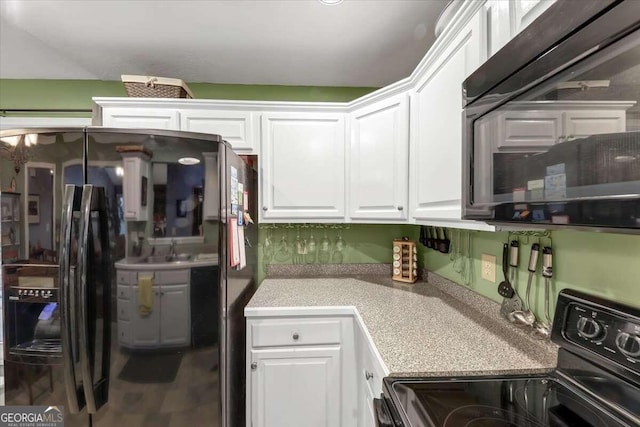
x=434 y=328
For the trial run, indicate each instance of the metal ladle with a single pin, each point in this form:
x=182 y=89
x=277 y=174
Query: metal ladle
x=526 y=316
x=544 y=328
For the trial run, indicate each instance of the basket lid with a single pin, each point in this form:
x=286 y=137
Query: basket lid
x=130 y=78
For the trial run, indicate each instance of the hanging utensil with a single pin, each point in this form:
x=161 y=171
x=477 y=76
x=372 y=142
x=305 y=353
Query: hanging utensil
x=444 y=244
x=526 y=316
x=514 y=261
x=435 y=243
x=423 y=235
x=511 y=302
x=429 y=238
x=543 y=328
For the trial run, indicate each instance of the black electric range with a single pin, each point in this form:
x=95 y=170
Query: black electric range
x=596 y=382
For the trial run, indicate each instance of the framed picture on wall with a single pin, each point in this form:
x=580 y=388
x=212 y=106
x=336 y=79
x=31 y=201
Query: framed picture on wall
x=33 y=208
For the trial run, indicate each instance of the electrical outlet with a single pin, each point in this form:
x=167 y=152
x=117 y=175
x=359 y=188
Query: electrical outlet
x=489 y=267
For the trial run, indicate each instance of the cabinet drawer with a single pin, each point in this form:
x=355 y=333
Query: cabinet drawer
x=266 y=333
x=171 y=277
x=124 y=292
x=124 y=277
x=125 y=331
x=124 y=309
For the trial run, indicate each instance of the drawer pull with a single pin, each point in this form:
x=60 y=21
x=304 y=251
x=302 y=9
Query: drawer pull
x=368 y=375
x=295 y=336
x=254 y=366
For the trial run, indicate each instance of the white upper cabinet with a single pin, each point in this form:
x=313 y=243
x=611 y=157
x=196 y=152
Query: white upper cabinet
x=140 y=118
x=302 y=170
x=235 y=127
x=240 y=127
x=497 y=26
x=524 y=12
x=436 y=128
x=379 y=160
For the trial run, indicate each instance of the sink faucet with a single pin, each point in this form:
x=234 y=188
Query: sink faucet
x=172 y=248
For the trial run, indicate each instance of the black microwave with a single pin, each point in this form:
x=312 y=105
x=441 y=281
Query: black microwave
x=551 y=133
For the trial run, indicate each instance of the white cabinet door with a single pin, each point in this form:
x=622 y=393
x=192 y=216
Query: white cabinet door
x=140 y=118
x=293 y=387
x=236 y=127
x=146 y=329
x=524 y=12
x=436 y=124
x=174 y=315
x=529 y=129
x=496 y=26
x=379 y=160
x=303 y=170
x=367 y=416
x=136 y=187
x=580 y=124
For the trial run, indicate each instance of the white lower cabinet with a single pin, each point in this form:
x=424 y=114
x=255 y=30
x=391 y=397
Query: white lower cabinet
x=293 y=387
x=301 y=371
x=146 y=329
x=168 y=323
x=174 y=315
x=316 y=371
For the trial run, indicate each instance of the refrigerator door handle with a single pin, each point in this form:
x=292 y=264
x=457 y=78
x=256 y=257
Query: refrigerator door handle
x=95 y=392
x=83 y=324
x=66 y=279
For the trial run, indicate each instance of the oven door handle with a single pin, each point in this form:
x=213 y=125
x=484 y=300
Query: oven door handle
x=382 y=415
x=67 y=286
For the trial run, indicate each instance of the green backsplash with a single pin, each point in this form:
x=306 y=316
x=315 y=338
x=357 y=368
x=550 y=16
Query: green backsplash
x=603 y=264
x=362 y=243
x=77 y=94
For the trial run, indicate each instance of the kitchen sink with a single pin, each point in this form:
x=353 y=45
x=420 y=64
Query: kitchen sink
x=161 y=259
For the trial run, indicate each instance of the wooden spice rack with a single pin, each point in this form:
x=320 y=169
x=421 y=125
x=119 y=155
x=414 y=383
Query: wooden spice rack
x=405 y=261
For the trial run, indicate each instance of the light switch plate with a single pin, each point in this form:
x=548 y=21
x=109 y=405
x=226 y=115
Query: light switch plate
x=489 y=267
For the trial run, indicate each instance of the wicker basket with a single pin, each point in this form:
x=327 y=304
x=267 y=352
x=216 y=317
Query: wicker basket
x=155 y=87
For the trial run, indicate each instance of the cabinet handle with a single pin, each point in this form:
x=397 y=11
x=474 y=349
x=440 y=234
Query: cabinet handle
x=400 y=208
x=368 y=375
x=295 y=336
x=264 y=208
x=254 y=366
x=161 y=293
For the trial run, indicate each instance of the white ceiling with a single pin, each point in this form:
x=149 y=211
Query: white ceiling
x=294 y=42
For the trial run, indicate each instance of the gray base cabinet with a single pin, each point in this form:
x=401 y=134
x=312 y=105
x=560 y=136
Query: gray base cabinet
x=168 y=324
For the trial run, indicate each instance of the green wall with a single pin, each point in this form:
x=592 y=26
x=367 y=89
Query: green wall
x=603 y=264
x=363 y=243
x=77 y=94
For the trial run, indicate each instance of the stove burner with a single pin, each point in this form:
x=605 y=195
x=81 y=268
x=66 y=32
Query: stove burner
x=487 y=416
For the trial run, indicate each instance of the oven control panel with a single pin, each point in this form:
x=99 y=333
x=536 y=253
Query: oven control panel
x=29 y=294
x=616 y=337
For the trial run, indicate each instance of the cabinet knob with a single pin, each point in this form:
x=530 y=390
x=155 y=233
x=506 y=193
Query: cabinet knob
x=264 y=208
x=295 y=336
x=368 y=375
x=254 y=366
x=400 y=208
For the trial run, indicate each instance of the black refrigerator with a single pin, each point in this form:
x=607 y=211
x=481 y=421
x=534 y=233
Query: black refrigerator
x=101 y=215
